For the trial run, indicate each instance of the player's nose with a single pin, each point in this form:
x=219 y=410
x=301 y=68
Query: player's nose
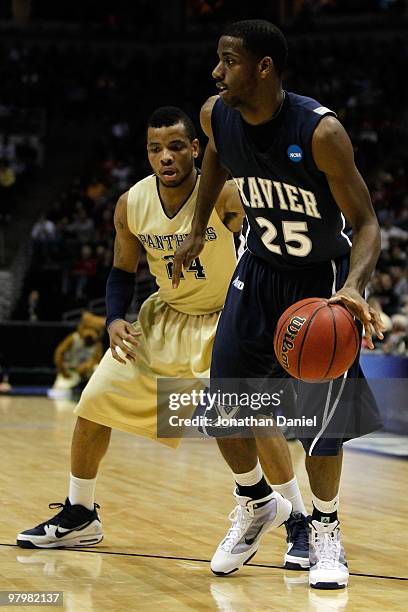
x=166 y=157
x=218 y=72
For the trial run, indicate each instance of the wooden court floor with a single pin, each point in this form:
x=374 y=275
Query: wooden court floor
x=164 y=512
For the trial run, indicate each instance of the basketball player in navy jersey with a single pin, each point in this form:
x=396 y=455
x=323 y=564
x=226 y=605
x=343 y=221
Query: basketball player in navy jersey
x=293 y=163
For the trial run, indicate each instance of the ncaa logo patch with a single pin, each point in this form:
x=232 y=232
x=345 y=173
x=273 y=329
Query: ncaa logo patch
x=295 y=153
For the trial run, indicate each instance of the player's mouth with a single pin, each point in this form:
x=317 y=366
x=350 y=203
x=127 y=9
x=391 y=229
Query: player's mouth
x=170 y=174
x=221 y=88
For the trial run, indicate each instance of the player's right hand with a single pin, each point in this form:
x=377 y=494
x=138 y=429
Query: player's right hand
x=358 y=307
x=188 y=250
x=120 y=331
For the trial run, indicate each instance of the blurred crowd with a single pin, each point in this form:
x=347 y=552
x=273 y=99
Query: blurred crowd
x=122 y=14
x=18 y=161
x=117 y=88
x=72 y=241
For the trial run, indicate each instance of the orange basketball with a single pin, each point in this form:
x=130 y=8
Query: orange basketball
x=316 y=341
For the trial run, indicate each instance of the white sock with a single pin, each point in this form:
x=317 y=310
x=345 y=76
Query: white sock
x=248 y=479
x=326 y=507
x=82 y=491
x=290 y=490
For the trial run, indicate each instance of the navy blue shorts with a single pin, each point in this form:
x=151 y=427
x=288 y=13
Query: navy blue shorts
x=243 y=351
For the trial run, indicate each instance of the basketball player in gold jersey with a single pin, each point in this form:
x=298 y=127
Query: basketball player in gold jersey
x=173 y=337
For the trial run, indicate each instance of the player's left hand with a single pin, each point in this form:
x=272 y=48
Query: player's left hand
x=358 y=307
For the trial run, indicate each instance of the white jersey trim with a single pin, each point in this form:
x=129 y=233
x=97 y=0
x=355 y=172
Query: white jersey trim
x=323 y=110
x=243 y=240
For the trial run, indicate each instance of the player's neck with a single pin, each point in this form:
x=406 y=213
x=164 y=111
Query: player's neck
x=267 y=105
x=173 y=198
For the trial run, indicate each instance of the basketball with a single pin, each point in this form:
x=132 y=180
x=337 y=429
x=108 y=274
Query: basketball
x=316 y=341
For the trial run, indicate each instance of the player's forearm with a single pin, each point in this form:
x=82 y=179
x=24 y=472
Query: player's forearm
x=120 y=287
x=212 y=180
x=364 y=255
x=59 y=360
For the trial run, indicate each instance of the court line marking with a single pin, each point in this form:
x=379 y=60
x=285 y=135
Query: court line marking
x=146 y=556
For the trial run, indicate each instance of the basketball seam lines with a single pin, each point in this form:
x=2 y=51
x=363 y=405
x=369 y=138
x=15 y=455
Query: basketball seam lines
x=283 y=324
x=305 y=334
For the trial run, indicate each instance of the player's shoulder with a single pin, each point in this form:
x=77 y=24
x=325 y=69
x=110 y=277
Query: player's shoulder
x=209 y=104
x=147 y=181
x=216 y=116
x=141 y=188
x=308 y=106
x=206 y=114
x=229 y=190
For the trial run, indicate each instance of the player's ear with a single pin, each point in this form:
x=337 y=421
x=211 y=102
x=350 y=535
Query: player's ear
x=266 y=67
x=195 y=145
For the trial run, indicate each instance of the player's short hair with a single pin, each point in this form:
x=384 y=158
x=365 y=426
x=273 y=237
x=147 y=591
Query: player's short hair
x=170 y=115
x=261 y=38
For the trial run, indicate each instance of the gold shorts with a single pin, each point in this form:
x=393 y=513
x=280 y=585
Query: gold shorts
x=172 y=344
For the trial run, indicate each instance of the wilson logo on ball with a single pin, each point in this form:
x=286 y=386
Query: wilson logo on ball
x=315 y=340
x=292 y=330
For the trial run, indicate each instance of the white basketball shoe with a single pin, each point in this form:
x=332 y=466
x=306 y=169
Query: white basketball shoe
x=251 y=519
x=328 y=566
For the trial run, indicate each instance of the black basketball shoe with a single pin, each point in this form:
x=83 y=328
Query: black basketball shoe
x=72 y=526
x=297 y=529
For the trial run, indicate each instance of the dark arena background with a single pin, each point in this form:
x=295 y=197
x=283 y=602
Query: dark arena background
x=78 y=81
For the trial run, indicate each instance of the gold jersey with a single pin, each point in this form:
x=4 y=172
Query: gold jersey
x=203 y=287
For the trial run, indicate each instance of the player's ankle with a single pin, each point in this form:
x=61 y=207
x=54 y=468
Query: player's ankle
x=325 y=511
x=257 y=491
x=252 y=484
x=324 y=517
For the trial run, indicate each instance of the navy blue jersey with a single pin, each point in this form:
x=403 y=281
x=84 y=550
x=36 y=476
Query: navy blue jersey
x=293 y=218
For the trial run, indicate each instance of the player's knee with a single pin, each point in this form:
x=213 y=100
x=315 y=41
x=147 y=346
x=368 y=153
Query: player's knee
x=89 y=428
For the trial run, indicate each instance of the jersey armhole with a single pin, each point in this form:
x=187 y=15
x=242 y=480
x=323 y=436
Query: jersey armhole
x=131 y=196
x=224 y=227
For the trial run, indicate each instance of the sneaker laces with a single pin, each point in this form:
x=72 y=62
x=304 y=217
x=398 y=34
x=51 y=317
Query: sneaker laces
x=64 y=507
x=327 y=546
x=297 y=530
x=239 y=523
x=54 y=520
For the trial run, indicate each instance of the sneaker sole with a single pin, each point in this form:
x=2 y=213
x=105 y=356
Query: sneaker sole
x=76 y=543
x=329 y=586
x=296 y=565
x=236 y=568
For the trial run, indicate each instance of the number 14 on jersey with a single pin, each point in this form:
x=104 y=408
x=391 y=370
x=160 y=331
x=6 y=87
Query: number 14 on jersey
x=195 y=266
